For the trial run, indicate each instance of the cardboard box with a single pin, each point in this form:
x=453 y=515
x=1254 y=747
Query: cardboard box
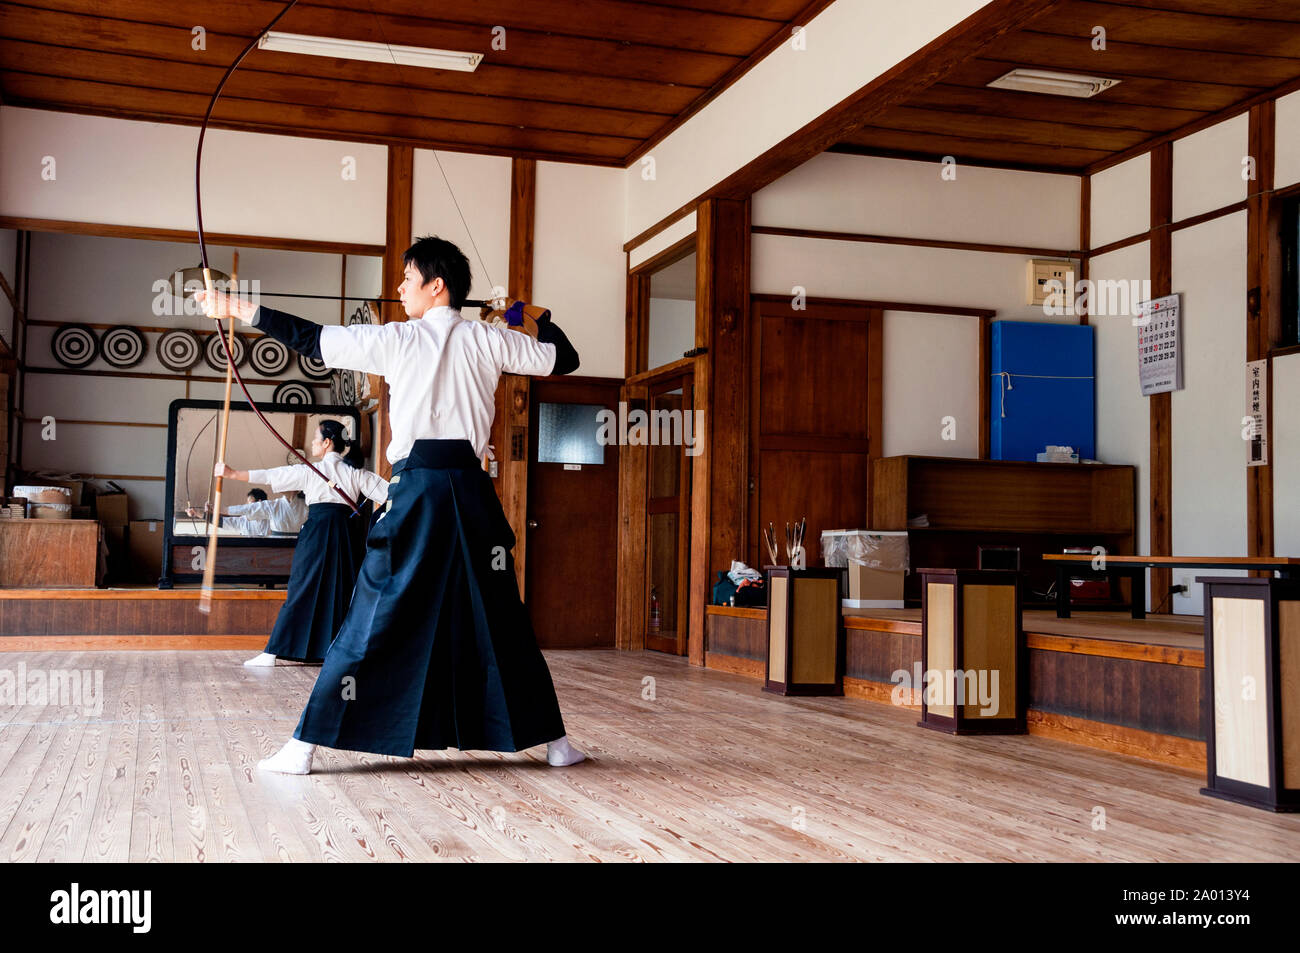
x=144 y=539
x=875 y=588
x=111 y=510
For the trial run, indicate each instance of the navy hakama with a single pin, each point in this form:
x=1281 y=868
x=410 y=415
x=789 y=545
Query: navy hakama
x=437 y=650
x=320 y=586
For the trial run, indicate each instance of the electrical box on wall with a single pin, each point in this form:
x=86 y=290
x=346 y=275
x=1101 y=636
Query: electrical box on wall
x=1042 y=272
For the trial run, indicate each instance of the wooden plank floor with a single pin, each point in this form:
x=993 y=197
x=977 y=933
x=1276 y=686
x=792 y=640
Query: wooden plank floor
x=708 y=769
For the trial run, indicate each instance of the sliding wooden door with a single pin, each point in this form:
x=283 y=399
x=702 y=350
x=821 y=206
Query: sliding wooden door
x=815 y=418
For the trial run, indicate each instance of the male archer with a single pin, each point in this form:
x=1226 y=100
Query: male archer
x=437 y=650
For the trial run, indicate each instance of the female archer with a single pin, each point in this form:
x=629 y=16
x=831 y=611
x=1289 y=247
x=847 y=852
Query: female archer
x=325 y=567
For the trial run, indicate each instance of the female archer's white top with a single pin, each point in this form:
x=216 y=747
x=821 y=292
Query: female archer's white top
x=355 y=483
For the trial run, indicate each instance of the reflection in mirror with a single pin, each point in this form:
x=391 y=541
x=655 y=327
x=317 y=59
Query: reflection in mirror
x=249 y=446
x=672 y=312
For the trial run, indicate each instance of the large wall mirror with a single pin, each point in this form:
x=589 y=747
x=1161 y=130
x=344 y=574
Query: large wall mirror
x=256 y=545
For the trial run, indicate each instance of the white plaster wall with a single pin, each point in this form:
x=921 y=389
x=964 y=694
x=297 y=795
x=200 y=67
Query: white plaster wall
x=1123 y=414
x=1209 y=455
x=579 y=267
x=906 y=199
x=916 y=402
x=1121 y=201
x=480 y=186
x=123 y=172
x=1208 y=168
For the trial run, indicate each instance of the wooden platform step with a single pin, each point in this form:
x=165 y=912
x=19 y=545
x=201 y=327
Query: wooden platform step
x=88 y=619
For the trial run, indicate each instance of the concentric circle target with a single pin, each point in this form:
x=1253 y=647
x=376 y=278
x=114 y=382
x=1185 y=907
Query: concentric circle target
x=312 y=368
x=74 y=345
x=292 y=392
x=215 y=354
x=123 y=346
x=179 y=350
x=269 y=357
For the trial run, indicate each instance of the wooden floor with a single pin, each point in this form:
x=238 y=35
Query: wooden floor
x=708 y=769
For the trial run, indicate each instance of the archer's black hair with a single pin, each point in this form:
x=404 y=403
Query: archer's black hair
x=257 y=493
x=436 y=257
x=332 y=431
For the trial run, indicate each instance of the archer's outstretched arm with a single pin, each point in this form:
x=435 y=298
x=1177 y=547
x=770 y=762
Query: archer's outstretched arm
x=354 y=347
x=297 y=334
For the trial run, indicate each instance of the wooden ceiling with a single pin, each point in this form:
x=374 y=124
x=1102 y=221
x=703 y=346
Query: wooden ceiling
x=591 y=82
x=1179 y=62
x=600 y=81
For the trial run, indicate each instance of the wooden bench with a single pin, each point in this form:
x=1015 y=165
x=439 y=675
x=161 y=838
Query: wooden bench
x=1134 y=567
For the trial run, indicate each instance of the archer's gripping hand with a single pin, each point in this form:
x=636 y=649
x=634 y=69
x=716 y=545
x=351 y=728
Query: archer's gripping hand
x=219 y=304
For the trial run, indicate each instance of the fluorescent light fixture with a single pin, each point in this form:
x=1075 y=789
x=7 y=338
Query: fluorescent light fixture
x=370 y=52
x=1054 y=84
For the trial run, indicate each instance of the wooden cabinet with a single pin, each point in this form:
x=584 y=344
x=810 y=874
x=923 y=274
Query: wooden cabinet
x=39 y=554
x=1039 y=507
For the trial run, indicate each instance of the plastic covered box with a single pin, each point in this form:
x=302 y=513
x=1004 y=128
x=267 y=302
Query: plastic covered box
x=876 y=561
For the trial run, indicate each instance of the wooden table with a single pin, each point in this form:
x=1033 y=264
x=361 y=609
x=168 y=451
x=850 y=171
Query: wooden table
x=1134 y=567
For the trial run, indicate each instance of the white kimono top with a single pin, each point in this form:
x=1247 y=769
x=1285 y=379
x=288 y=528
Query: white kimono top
x=352 y=481
x=262 y=517
x=442 y=372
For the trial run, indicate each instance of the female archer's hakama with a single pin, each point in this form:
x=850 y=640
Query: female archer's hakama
x=437 y=650
x=324 y=566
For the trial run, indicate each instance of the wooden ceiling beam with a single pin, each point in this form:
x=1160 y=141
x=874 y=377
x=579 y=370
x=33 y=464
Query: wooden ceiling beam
x=55 y=30
x=1213 y=32
x=1000 y=103
x=238 y=21
x=1074 y=54
x=644 y=24
x=349 y=125
x=937 y=145
x=139 y=73
x=1028 y=131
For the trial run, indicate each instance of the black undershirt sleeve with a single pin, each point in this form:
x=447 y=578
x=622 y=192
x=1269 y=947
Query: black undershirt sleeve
x=297 y=334
x=566 y=358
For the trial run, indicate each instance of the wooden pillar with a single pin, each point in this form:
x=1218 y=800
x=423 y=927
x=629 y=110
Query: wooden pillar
x=1085 y=237
x=396 y=240
x=1263 y=313
x=633 y=478
x=1161 y=446
x=985 y=389
x=720 y=474
x=510 y=428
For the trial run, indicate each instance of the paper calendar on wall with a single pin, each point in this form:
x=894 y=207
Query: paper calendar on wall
x=1160 y=364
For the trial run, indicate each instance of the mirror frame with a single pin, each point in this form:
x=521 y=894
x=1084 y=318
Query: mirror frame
x=170 y=539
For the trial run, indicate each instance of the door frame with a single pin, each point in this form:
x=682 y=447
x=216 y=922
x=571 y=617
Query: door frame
x=663 y=383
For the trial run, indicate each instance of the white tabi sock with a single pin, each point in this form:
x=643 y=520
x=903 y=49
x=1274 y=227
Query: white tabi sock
x=559 y=753
x=264 y=660
x=294 y=758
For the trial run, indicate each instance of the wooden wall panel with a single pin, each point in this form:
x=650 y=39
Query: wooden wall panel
x=817 y=392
